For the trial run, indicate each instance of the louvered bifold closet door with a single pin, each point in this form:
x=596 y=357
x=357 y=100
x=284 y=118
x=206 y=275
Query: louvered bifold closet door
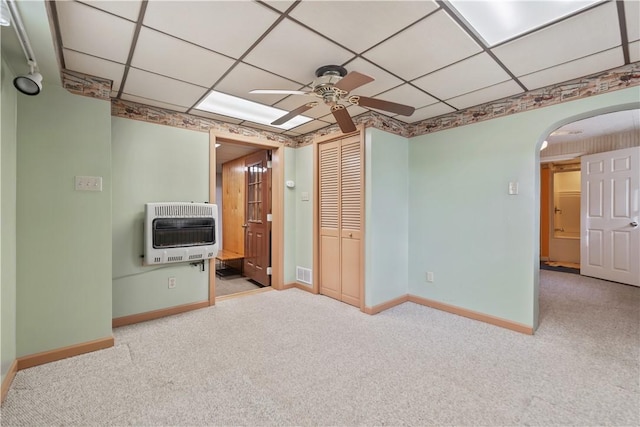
x=341 y=219
x=329 y=166
x=350 y=219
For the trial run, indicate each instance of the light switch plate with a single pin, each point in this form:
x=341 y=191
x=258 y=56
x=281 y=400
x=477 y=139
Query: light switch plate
x=513 y=188
x=305 y=196
x=88 y=183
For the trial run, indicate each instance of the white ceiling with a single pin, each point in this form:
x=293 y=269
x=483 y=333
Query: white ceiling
x=172 y=53
x=604 y=124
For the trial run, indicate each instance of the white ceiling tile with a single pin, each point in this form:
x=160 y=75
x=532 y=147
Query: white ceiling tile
x=492 y=93
x=291 y=133
x=294 y=52
x=166 y=55
x=570 y=39
x=213 y=116
x=574 y=69
x=632 y=16
x=113 y=94
x=634 y=51
x=129 y=9
x=383 y=80
x=228 y=27
x=279 y=4
x=163 y=89
x=351 y=22
x=94 y=66
x=426 y=113
x=431 y=44
x=245 y=78
x=153 y=103
x=409 y=95
x=465 y=76
x=310 y=127
x=92 y=31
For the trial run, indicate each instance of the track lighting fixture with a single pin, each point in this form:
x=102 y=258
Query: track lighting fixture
x=29 y=84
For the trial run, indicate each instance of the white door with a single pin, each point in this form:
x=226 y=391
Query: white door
x=610 y=237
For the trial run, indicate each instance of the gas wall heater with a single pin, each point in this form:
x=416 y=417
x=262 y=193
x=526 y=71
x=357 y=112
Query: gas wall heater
x=180 y=232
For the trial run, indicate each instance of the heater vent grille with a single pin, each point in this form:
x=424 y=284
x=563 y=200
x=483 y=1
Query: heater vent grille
x=303 y=275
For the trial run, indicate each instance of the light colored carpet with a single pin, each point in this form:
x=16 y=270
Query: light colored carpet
x=292 y=358
x=233 y=286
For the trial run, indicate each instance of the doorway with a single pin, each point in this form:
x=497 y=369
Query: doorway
x=251 y=221
x=564 y=239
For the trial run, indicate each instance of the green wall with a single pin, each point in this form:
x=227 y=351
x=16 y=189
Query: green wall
x=8 y=164
x=289 y=216
x=153 y=163
x=304 y=209
x=63 y=235
x=481 y=243
x=386 y=216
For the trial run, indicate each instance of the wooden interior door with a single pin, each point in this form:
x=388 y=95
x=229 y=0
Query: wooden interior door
x=340 y=219
x=257 y=246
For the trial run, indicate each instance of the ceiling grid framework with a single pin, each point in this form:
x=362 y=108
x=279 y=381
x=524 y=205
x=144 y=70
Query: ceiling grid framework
x=167 y=54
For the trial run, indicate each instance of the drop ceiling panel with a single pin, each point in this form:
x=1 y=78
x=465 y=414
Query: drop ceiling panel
x=573 y=38
x=310 y=127
x=294 y=52
x=426 y=113
x=433 y=43
x=244 y=78
x=383 y=80
x=632 y=16
x=409 y=95
x=178 y=59
x=348 y=26
x=163 y=89
x=94 y=66
x=153 y=102
x=574 y=69
x=228 y=27
x=129 y=9
x=94 y=32
x=634 y=51
x=279 y=4
x=213 y=116
x=465 y=76
x=501 y=90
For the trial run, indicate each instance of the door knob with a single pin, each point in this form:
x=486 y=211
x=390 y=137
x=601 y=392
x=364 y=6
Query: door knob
x=350 y=234
x=633 y=223
x=244 y=225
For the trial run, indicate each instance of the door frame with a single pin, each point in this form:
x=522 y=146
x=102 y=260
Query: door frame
x=277 y=201
x=316 y=209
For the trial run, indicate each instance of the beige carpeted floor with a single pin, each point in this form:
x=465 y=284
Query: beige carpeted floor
x=292 y=358
x=233 y=285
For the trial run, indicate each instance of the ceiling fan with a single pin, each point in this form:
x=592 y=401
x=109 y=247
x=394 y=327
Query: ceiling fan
x=333 y=85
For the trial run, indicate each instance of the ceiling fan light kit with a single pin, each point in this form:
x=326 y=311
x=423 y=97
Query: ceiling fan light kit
x=333 y=85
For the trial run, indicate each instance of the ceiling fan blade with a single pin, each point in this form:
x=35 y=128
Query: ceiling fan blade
x=353 y=80
x=280 y=92
x=364 y=101
x=343 y=118
x=291 y=114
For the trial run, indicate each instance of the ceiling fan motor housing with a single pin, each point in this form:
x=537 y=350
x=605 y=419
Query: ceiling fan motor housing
x=324 y=85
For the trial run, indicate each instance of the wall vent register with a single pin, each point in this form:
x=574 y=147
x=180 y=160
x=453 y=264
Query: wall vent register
x=180 y=232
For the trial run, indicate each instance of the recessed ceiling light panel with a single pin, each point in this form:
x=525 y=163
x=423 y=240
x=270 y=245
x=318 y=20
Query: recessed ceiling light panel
x=232 y=106
x=497 y=21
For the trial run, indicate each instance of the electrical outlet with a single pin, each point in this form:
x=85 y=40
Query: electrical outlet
x=430 y=276
x=172 y=282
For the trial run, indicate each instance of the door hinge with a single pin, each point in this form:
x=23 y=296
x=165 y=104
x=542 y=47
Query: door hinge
x=269 y=217
x=268 y=271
